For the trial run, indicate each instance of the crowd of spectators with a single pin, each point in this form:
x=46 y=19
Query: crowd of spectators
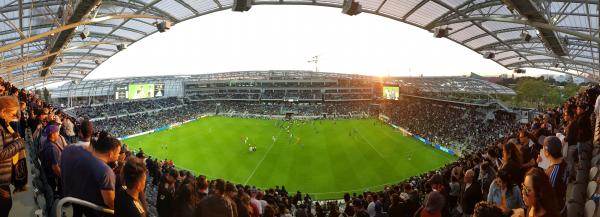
x=310 y=95
x=509 y=169
x=119 y=108
x=458 y=127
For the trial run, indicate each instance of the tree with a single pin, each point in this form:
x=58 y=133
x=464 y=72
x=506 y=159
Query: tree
x=532 y=90
x=570 y=90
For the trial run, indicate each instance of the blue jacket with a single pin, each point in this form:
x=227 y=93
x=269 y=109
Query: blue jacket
x=513 y=201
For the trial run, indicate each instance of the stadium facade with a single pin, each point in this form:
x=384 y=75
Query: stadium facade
x=274 y=86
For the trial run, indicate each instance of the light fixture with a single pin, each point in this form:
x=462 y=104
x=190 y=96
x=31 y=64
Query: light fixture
x=241 y=5
x=489 y=55
x=163 y=26
x=351 y=7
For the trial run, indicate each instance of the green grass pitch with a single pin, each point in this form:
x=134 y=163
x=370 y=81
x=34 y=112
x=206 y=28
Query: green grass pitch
x=323 y=158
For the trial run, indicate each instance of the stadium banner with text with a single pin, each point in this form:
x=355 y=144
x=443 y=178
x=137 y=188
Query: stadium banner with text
x=390 y=92
x=160 y=128
x=135 y=135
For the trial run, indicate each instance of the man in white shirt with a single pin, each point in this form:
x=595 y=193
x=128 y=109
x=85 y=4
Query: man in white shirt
x=371 y=198
x=256 y=202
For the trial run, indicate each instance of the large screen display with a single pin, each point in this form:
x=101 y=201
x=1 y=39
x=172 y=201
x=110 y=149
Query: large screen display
x=391 y=92
x=140 y=91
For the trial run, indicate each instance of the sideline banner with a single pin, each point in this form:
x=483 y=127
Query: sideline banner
x=407 y=133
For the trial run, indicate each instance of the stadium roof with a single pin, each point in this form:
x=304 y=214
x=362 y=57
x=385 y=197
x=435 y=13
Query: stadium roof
x=462 y=85
x=453 y=85
x=564 y=33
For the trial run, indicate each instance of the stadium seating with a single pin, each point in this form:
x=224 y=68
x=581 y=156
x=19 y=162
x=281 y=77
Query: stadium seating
x=455 y=125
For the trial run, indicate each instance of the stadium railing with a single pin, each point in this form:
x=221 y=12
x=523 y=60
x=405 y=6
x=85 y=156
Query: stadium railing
x=60 y=204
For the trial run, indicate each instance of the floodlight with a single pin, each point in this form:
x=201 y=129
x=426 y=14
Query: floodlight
x=241 y=5
x=489 y=55
x=83 y=35
x=163 y=26
x=351 y=7
x=441 y=32
x=121 y=47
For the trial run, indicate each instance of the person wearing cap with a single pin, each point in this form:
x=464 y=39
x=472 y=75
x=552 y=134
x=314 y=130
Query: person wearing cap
x=50 y=157
x=557 y=171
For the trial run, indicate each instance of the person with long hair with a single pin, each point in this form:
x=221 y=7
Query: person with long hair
x=504 y=193
x=511 y=161
x=538 y=195
x=12 y=144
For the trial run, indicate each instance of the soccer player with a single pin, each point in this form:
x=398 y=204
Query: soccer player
x=274 y=139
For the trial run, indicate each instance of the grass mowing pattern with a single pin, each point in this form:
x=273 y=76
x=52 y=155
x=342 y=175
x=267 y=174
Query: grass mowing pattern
x=331 y=156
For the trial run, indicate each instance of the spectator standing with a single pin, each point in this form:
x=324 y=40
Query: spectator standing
x=433 y=205
x=379 y=211
x=87 y=176
x=487 y=174
x=371 y=199
x=166 y=193
x=127 y=201
x=397 y=207
x=69 y=128
x=538 y=195
x=215 y=204
x=557 y=171
x=470 y=193
x=487 y=209
x=437 y=184
x=454 y=191
x=12 y=144
x=504 y=193
x=50 y=157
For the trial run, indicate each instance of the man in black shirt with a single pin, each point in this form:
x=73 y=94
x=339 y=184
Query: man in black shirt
x=127 y=201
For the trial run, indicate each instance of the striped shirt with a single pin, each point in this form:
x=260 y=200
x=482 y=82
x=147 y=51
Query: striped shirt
x=558 y=179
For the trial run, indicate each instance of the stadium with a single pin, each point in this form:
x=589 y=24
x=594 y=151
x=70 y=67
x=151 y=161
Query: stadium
x=297 y=142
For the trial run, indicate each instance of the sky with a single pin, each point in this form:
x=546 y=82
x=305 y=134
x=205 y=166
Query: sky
x=279 y=37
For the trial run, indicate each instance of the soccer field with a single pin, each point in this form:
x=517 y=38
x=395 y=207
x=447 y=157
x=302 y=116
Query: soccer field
x=324 y=158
